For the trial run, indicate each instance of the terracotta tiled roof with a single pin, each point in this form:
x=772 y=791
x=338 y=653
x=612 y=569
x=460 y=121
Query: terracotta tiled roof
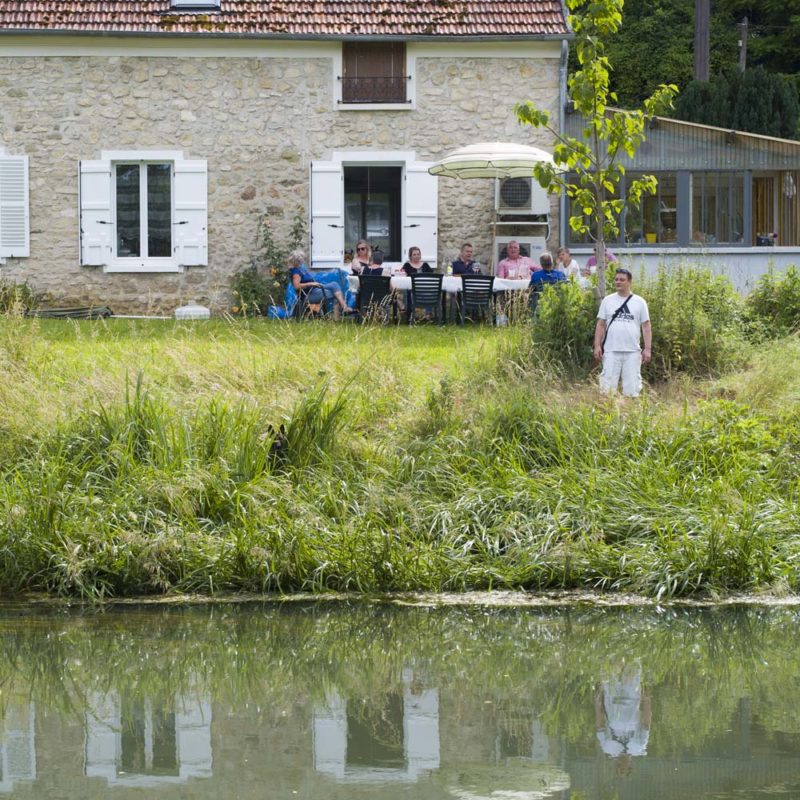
x=298 y=18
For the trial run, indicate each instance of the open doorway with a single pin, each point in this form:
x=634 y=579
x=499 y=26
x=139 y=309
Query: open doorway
x=372 y=208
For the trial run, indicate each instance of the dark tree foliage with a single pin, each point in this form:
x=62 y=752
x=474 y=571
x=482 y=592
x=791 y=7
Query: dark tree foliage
x=755 y=100
x=655 y=45
x=774 y=31
x=656 y=40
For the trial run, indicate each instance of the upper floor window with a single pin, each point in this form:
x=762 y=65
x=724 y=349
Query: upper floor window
x=374 y=72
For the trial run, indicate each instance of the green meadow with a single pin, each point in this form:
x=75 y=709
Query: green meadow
x=142 y=457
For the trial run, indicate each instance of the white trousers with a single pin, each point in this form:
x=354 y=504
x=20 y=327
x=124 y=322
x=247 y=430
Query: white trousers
x=628 y=365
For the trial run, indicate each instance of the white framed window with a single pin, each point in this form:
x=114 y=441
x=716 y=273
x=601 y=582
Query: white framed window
x=143 y=211
x=14 y=207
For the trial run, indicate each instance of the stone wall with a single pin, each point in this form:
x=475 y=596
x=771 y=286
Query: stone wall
x=258 y=122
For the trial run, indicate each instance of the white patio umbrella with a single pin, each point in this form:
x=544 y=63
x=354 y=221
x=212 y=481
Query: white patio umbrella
x=491 y=160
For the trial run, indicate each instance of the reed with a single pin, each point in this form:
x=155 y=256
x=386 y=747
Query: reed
x=408 y=460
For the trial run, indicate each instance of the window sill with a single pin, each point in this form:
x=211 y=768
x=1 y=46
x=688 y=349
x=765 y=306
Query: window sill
x=166 y=265
x=408 y=106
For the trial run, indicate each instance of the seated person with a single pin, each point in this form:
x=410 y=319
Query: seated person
x=568 y=265
x=415 y=263
x=375 y=266
x=514 y=265
x=584 y=279
x=464 y=264
x=303 y=281
x=546 y=274
x=591 y=262
x=363 y=257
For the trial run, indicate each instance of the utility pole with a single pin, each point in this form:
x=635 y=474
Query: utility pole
x=742 y=26
x=702 y=17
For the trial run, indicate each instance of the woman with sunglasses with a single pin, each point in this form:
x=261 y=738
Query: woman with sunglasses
x=363 y=257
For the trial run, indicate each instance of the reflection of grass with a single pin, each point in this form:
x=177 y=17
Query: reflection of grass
x=502 y=668
x=412 y=460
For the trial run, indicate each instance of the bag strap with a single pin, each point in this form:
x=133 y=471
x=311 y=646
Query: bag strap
x=623 y=307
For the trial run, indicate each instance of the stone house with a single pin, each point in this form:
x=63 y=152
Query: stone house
x=142 y=144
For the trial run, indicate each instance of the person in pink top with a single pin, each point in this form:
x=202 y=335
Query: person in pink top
x=514 y=265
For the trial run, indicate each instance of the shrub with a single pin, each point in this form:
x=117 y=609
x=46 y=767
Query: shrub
x=16 y=298
x=697 y=322
x=773 y=307
x=264 y=282
x=564 y=325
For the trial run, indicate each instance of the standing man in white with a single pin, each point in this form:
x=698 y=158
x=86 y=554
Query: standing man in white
x=622 y=321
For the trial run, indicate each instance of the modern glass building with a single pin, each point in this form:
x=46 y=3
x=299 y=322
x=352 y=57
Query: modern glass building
x=728 y=195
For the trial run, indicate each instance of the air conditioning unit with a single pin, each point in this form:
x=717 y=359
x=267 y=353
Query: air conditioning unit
x=522 y=196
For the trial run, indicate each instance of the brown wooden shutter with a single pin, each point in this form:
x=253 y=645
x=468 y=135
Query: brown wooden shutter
x=374 y=72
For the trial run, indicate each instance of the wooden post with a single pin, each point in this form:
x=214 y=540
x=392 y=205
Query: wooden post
x=702 y=15
x=742 y=26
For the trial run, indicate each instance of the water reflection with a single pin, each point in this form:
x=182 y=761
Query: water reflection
x=323 y=701
x=17 y=743
x=132 y=740
x=394 y=737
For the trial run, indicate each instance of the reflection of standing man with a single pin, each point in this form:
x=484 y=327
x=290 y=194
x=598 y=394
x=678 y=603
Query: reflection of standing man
x=623 y=713
x=623 y=319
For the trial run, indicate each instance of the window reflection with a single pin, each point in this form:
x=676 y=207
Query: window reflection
x=17 y=744
x=138 y=741
x=392 y=737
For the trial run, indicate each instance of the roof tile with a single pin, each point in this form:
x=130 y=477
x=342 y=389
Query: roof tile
x=298 y=18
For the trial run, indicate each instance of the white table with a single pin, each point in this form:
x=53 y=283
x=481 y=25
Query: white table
x=451 y=284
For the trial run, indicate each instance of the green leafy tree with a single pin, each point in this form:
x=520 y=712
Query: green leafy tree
x=588 y=170
x=755 y=100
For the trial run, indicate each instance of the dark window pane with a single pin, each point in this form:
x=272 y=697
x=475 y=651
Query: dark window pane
x=372 y=208
x=375 y=732
x=159 y=211
x=133 y=757
x=128 y=216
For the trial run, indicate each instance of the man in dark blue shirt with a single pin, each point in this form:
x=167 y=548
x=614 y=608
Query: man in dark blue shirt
x=547 y=274
x=464 y=265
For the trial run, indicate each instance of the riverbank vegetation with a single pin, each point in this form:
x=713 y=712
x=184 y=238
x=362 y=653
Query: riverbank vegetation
x=142 y=457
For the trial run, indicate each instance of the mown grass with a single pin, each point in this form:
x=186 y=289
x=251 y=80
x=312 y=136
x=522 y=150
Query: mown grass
x=144 y=457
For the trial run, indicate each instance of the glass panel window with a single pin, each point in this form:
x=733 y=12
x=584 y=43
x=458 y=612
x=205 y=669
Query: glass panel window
x=128 y=220
x=586 y=238
x=717 y=208
x=789 y=209
x=143 y=197
x=372 y=208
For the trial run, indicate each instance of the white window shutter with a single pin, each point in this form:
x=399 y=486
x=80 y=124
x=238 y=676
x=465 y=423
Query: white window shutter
x=421 y=211
x=97 y=225
x=14 y=210
x=190 y=224
x=327 y=214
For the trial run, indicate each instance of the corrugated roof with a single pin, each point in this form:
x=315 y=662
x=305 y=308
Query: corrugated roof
x=298 y=18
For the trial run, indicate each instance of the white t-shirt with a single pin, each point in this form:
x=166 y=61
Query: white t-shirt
x=624 y=731
x=625 y=334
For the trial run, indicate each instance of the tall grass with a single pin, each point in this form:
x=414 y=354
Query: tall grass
x=388 y=475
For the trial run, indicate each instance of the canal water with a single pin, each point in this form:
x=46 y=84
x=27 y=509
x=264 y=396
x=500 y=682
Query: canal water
x=329 y=700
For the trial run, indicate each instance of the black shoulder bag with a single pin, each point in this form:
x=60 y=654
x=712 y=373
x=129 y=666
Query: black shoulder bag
x=623 y=307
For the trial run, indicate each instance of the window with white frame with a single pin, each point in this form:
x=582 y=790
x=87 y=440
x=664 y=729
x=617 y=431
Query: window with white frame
x=143 y=209
x=143 y=212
